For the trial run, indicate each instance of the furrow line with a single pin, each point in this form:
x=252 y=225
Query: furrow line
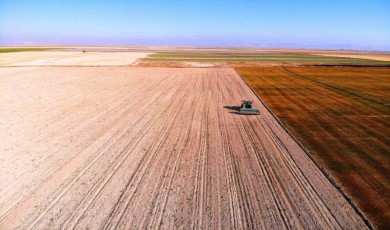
x=201 y=199
x=273 y=181
x=235 y=199
x=183 y=140
x=226 y=149
x=127 y=196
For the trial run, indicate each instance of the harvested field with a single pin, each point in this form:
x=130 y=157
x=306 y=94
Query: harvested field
x=341 y=114
x=152 y=148
x=69 y=58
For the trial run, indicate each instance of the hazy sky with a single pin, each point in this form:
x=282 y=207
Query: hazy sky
x=345 y=24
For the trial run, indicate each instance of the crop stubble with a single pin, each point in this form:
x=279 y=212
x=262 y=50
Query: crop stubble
x=152 y=147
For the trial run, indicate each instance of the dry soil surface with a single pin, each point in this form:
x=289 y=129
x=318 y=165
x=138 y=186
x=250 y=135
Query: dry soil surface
x=152 y=148
x=69 y=58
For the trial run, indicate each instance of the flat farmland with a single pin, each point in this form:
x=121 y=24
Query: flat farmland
x=135 y=148
x=20 y=49
x=341 y=114
x=68 y=58
x=266 y=57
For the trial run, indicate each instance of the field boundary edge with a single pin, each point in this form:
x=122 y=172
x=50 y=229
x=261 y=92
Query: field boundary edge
x=307 y=152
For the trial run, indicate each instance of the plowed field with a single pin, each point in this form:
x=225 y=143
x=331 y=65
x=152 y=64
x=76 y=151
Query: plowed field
x=152 y=147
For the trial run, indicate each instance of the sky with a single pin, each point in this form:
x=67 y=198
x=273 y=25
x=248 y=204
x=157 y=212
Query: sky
x=328 y=24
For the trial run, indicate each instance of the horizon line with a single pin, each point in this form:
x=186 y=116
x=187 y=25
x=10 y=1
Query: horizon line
x=194 y=46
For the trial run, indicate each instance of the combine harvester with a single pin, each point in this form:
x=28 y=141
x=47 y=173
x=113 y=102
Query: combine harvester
x=247 y=109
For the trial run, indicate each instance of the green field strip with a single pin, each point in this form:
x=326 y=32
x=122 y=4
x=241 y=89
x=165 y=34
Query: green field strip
x=17 y=49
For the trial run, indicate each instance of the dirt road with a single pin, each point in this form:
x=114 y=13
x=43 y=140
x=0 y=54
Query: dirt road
x=152 y=147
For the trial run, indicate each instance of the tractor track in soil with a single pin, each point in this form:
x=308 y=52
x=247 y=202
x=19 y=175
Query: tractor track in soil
x=119 y=148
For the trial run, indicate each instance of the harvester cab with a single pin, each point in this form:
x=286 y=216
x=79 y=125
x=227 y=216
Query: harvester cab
x=247 y=108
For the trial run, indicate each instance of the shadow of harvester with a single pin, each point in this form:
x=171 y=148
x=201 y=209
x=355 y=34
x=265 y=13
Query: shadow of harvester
x=235 y=109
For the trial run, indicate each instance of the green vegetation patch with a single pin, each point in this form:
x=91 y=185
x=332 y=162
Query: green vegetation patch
x=21 y=49
x=259 y=57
